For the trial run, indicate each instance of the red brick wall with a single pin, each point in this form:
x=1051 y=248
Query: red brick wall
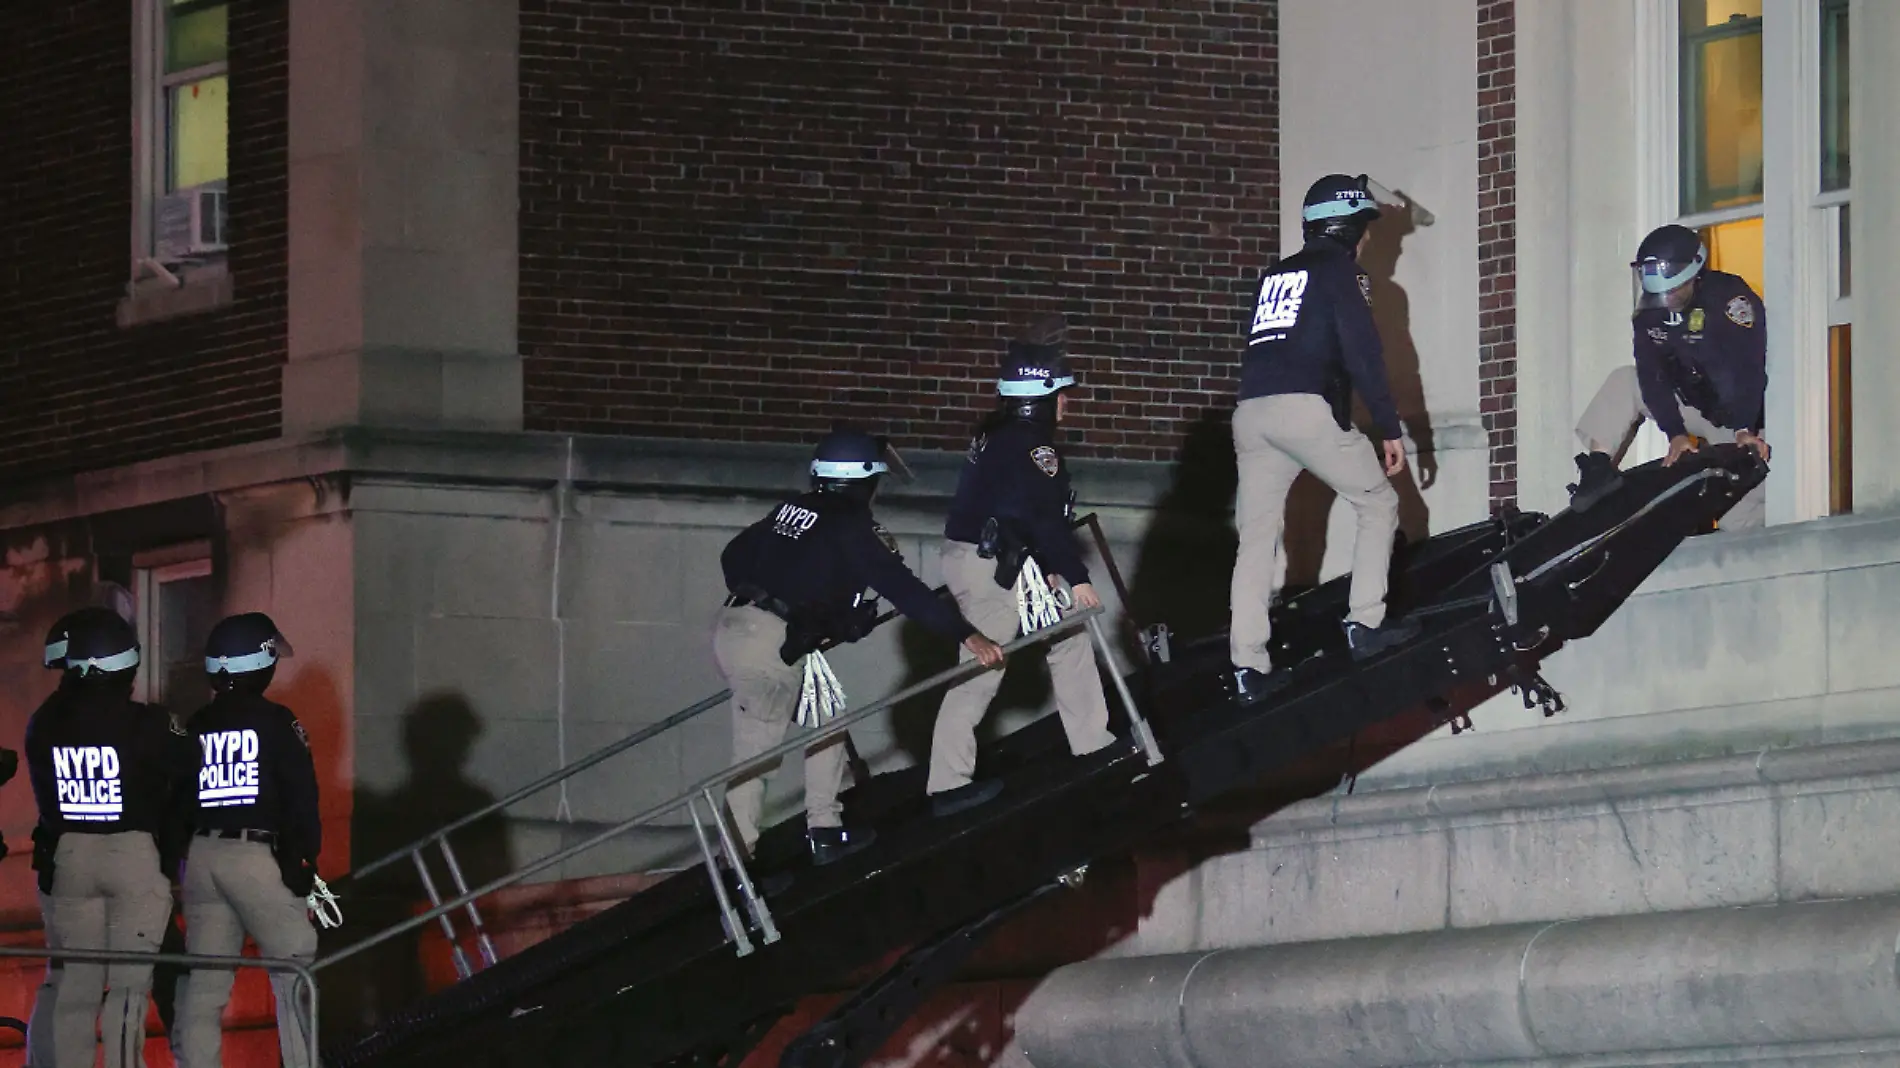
x=76 y=390
x=745 y=220
x=1497 y=241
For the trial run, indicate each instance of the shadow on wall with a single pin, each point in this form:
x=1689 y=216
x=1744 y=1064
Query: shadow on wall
x=1392 y=311
x=1185 y=564
x=438 y=734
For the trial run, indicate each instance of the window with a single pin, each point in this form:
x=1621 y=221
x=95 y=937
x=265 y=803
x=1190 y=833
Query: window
x=1835 y=209
x=176 y=603
x=181 y=141
x=1721 y=72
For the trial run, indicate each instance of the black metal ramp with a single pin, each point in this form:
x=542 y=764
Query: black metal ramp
x=655 y=980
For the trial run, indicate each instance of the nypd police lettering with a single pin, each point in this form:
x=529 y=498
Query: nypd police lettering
x=87 y=778
x=229 y=773
x=792 y=521
x=1280 y=298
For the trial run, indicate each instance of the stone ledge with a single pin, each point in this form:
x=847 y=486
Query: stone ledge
x=1792 y=984
x=1808 y=765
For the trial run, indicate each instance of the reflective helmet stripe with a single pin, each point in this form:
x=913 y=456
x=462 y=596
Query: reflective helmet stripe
x=1035 y=387
x=1337 y=209
x=240 y=665
x=55 y=652
x=115 y=662
x=848 y=468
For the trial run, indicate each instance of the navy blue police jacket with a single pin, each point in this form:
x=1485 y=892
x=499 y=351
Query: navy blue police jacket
x=102 y=763
x=1312 y=318
x=256 y=772
x=1712 y=356
x=1015 y=474
x=818 y=551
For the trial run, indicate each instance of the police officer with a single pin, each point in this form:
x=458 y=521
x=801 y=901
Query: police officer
x=1701 y=369
x=1312 y=343
x=1013 y=502
x=39 y=1026
x=796 y=579
x=109 y=778
x=253 y=858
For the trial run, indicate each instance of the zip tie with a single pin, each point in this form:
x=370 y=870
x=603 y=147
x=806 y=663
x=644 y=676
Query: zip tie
x=821 y=696
x=1038 y=606
x=322 y=902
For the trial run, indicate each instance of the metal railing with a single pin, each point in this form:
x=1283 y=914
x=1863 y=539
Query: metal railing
x=703 y=792
x=305 y=987
x=415 y=851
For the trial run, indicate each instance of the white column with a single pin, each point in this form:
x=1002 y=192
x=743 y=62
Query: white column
x=1874 y=131
x=404 y=240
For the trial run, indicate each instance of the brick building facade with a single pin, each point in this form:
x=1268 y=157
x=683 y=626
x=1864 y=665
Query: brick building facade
x=746 y=224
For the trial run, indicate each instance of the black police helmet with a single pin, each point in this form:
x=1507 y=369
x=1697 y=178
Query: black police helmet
x=244 y=645
x=1669 y=258
x=56 y=639
x=1340 y=207
x=99 y=642
x=848 y=462
x=1031 y=375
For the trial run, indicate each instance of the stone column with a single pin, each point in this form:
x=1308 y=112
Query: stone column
x=404 y=246
x=1874 y=131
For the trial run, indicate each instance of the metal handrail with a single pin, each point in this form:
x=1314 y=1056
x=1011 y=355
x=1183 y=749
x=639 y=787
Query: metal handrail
x=306 y=975
x=568 y=771
x=552 y=778
x=703 y=790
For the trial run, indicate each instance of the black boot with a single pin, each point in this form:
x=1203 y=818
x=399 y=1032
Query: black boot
x=832 y=844
x=1368 y=642
x=1250 y=686
x=969 y=795
x=1597 y=478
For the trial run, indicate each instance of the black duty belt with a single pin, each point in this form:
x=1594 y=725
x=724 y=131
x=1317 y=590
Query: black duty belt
x=243 y=834
x=760 y=599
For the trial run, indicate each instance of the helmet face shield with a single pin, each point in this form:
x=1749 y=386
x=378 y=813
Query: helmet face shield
x=1670 y=258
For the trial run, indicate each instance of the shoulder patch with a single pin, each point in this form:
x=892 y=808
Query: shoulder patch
x=301 y=736
x=1046 y=460
x=1740 y=312
x=1365 y=288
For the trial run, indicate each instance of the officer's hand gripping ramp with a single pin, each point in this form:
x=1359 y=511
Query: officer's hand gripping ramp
x=666 y=979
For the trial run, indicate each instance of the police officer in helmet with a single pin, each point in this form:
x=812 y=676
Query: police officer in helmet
x=1701 y=369
x=253 y=859
x=1013 y=504
x=1313 y=343
x=39 y=1027
x=110 y=776
x=797 y=579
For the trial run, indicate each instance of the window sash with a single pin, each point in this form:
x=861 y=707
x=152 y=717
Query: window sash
x=1692 y=163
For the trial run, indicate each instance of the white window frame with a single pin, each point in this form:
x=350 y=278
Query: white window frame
x=150 y=89
x=150 y=574
x=1798 y=273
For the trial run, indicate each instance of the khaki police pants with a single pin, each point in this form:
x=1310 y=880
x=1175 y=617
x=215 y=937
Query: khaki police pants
x=992 y=610
x=39 y=1026
x=1275 y=438
x=765 y=692
x=1618 y=407
x=233 y=888
x=108 y=893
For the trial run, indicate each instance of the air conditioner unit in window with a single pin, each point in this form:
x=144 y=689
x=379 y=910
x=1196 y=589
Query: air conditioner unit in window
x=190 y=223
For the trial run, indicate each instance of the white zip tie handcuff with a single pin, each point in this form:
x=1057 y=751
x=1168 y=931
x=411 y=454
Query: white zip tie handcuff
x=821 y=696
x=1037 y=605
x=322 y=902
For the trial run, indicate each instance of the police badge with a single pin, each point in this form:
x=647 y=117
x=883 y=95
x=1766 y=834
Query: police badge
x=1046 y=460
x=1696 y=319
x=1739 y=312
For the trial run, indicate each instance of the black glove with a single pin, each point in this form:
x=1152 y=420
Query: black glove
x=299 y=873
x=45 y=844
